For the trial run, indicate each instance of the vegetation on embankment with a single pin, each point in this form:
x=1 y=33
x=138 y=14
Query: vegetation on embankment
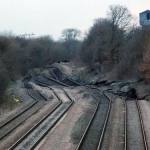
x=120 y=49
x=18 y=55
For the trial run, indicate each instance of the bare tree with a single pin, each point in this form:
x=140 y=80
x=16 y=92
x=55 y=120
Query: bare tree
x=102 y=43
x=120 y=16
x=71 y=41
x=106 y=38
x=71 y=34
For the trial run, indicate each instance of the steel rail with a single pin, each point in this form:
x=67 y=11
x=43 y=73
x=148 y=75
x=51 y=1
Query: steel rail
x=125 y=122
x=106 y=121
x=52 y=79
x=141 y=122
x=75 y=82
x=36 y=125
x=45 y=117
x=38 y=141
x=142 y=126
x=33 y=97
x=125 y=125
x=87 y=128
x=13 y=119
x=90 y=123
x=33 y=128
x=18 y=114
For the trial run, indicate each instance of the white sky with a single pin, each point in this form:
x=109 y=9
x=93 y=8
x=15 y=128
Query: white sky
x=50 y=17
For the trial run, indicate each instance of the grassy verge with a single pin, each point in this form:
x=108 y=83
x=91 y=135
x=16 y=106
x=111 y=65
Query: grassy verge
x=8 y=103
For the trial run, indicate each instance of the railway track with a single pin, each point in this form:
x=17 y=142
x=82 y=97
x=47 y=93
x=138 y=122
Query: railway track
x=135 y=137
x=32 y=138
x=67 y=81
x=105 y=124
x=113 y=138
x=56 y=81
x=14 y=121
x=93 y=136
x=10 y=124
x=131 y=140
x=21 y=110
x=85 y=142
x=142 y=126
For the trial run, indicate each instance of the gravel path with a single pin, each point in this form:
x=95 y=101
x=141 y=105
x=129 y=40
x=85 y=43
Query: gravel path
x=134 y=132
x=145 y=109
x=114 y=135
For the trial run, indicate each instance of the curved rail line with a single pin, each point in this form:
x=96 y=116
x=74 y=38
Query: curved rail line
x=36 y=125
x=73 y=81
x=57 y=81
x=104 y=126
x=43 y=119
x=142 y=126
x=125 y=119
x=30 y=105
x=11 y=120
x=69 y=79
x=27 y=107
x=106 y=121
x=87 y=128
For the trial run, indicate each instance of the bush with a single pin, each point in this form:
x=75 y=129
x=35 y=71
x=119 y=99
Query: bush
x=102 y=43
x=4 y=80
x=19 y=55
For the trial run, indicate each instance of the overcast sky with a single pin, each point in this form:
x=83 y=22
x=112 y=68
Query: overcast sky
x=50 y=17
